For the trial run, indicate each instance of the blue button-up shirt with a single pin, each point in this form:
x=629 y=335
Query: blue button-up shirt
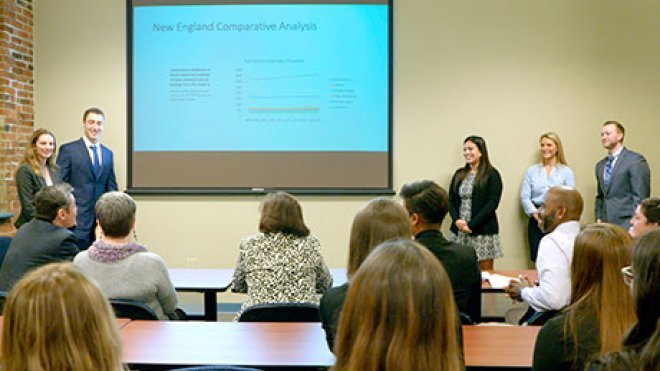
x=537 y=183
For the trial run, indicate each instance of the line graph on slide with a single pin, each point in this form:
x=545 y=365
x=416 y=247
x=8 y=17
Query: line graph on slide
x=281 y=91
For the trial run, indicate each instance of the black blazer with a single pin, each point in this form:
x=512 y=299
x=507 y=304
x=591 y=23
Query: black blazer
x=462 y=267
x=331 y=304
x=555 y=349
x=37 y=243
x=485 y=199
x=27 y=185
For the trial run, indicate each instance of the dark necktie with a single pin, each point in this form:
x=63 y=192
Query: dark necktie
x=608 y=170
x=96 y=163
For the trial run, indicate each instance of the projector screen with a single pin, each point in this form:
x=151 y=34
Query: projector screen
x=247 y=96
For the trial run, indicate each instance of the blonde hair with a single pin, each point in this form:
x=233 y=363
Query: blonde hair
x=399 y=313
x=56 y=319
x=31 y=158
x=560 y=148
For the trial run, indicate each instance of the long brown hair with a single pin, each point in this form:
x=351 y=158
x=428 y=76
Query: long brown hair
x=600 y=251
x=399 y=313
x=281 y=212
x=382 y=219
x=31 y=158
x=646 y=286
x=56 y=319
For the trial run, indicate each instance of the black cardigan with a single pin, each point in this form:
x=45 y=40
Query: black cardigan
x=485 y=199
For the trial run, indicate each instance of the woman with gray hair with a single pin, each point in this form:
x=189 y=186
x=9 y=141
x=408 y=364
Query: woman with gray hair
x=123 y=268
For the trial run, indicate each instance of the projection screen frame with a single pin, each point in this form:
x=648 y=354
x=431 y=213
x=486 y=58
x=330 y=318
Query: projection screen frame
x=137 y=190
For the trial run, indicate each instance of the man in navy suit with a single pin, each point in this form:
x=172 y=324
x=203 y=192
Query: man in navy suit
x=623 y=178
x=87 y=165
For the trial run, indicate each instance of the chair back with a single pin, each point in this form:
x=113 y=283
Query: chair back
x=133 y=309
x=4 y=246
x=281 y=312
x=465 y=319
x=3 y=300
x=215 y=368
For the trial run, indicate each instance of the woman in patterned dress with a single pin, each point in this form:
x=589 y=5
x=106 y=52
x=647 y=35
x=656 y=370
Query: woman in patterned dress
x=475 y=193
x=282 y=263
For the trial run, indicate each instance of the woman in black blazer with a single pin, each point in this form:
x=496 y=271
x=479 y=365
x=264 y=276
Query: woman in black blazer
x=37 y=170
x=475 y=193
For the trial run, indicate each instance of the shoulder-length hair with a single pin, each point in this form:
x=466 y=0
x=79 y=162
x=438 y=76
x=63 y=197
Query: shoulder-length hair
x=399 y=313
x=560 y=148
x=281 y=212
x=646 y=286
x=382 y=219
x=600 y=252
x=57 y=319
x=484 y=163
x=31 y=158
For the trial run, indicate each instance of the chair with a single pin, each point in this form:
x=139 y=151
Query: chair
x=3 y=300
x=215 y=368
x=281 y=312
x=534 y=318
x=465 y=319
x=4 y=246
x=133 y=309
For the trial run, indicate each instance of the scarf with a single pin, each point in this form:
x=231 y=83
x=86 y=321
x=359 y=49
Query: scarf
x=104 y=252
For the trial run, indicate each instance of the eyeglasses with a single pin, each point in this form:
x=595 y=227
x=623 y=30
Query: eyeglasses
x=628 y=275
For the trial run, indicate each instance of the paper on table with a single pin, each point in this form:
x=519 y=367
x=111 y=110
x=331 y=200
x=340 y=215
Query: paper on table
x=497 y=281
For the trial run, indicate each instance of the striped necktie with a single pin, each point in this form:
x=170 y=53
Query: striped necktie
x=608 y=170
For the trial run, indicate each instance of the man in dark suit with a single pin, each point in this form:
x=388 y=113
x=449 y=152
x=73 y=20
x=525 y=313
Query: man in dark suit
x=87 y=165
x=623 y=178
x=427 y=204
x=45 y=239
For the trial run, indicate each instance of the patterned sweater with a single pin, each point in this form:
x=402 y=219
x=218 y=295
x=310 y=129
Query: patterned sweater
x=279 y=268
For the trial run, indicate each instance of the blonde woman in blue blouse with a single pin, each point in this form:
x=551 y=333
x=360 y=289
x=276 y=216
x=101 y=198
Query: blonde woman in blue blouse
x=552 y=171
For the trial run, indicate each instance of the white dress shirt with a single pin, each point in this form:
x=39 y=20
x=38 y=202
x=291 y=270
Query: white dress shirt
x=88 y=144
x=554 y=268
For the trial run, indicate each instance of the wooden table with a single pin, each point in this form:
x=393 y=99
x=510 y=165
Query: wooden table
x=212 y=281
x=165 y=344
x=177 y=344
x=499 y=346
x=207 y=281
x=121 y=322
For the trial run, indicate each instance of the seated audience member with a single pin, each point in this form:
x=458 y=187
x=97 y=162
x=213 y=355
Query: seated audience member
x=399 y=314
x=427 y=203
x=57 y=319
x=45 y=239
x=601 y=308
x=124 y=269
x=641 y=345
x=282 y=263
x=560 y=215
x=380 y=220
x=646 y=218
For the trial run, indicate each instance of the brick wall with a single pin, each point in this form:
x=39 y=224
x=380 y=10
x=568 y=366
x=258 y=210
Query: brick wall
x=16 y=95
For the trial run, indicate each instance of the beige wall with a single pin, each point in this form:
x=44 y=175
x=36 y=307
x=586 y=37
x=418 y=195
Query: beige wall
x=507 y=70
